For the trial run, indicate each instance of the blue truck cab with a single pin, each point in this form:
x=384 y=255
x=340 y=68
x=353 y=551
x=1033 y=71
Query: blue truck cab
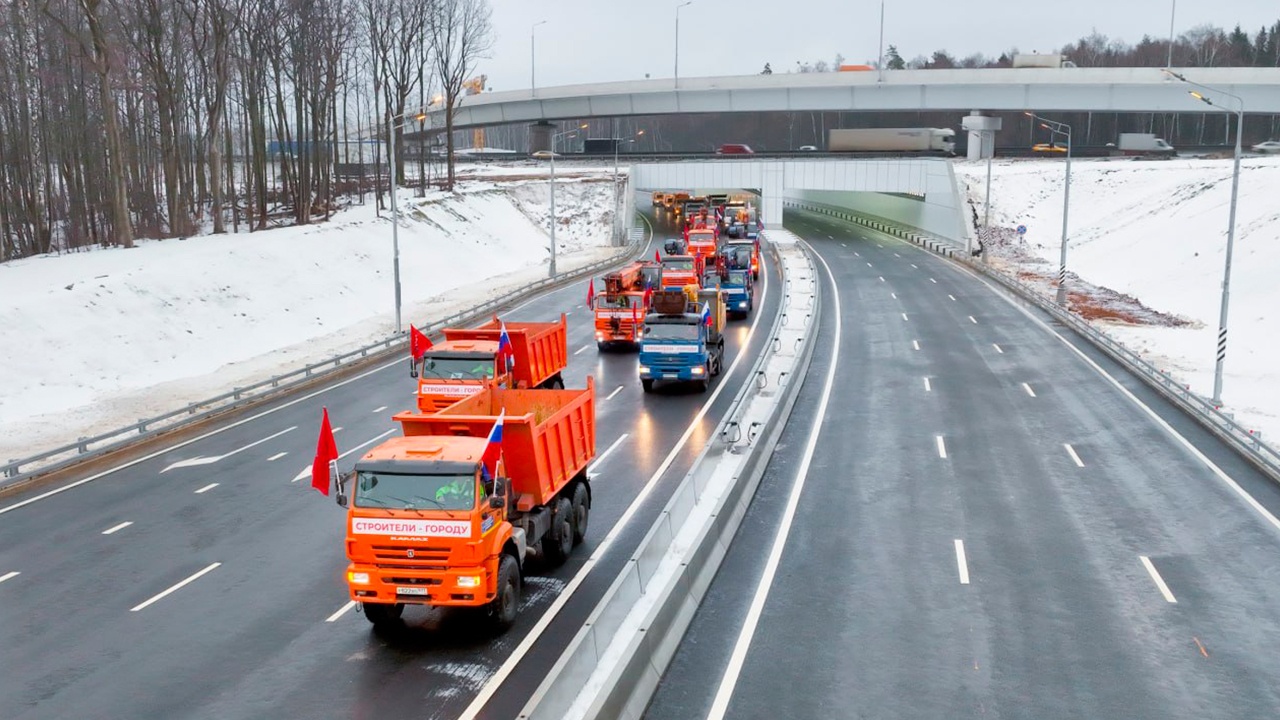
x=738 y=288
x=683 y=339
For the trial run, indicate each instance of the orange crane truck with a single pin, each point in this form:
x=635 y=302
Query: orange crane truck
x=467 y=360
x=446 y=514
x=620 y=310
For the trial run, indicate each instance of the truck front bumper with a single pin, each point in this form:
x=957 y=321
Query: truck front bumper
x=686 y=373
x=464 y=586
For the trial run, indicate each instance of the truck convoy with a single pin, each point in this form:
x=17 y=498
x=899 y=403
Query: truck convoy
x=683 y=339
x=467 y=360
x=447 y=514
x=922 y=140
x=621 y=309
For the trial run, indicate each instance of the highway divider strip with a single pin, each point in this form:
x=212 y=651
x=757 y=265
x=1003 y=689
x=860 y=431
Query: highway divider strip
x=1245 y=442
x=12 y=473
x=612 y=666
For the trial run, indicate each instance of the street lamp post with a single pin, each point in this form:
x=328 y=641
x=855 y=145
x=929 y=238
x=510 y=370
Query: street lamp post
x=1173 y=9
x=677 y=72
x=1231 y=227
x=552 y=156
x=616 y=142
x=1061 y=128
x=533 y=84
x=395 y=213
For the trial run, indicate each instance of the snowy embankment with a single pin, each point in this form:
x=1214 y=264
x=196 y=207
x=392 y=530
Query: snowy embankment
x=1155 y=231
x=99 y=339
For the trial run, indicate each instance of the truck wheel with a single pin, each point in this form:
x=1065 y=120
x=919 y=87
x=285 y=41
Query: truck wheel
x=581 y=512
x=559 y=540
x=557 y=383
x=647 y=385
x=506 y=603
x=382 y=615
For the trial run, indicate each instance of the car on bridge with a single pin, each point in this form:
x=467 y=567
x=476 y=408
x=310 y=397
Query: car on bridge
x=1270 y=146
x=735 y=149
x=1048 y=148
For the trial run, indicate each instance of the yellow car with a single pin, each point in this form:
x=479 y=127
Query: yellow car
x=1048 y=148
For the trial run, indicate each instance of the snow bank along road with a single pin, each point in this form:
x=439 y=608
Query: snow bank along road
x=991 y=525
x=183 y=588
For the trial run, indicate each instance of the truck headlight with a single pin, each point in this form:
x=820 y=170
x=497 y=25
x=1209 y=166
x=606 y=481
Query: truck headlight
x=742 y=304
x=644 y=370
x=599 y=336
x=358 y=578
x=697 y=371
x=468 y=581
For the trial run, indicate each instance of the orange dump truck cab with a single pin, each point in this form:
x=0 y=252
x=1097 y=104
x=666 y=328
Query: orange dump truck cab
x=679 y=271
x=467 y=361
x=426 y=525
x=702 y=242
x=621 y=309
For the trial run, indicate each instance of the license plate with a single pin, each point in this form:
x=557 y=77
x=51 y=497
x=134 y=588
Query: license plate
x=411 y=591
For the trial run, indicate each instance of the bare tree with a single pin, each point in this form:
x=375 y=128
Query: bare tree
x=461 y=34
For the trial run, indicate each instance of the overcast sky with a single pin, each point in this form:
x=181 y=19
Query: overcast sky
x=603 y=40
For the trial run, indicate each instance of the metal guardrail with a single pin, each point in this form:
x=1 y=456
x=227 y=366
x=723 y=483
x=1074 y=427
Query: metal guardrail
x=87 y=448
x=1248 y=443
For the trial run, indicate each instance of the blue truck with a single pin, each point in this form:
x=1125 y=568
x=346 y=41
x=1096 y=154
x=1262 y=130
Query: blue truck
x=683 y=339
x=738 y=288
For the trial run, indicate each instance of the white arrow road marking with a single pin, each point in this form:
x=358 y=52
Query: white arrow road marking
x=210 y=460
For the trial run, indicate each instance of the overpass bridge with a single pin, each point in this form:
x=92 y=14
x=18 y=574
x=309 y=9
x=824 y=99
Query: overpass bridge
x=1144 y=89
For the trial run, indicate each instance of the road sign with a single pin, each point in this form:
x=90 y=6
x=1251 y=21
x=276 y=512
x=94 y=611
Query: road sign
x=1022 y=229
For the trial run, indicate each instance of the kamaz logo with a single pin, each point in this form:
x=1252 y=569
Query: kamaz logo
x=409 y=553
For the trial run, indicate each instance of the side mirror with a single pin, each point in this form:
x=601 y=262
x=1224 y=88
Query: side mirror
x=496 y=502
x=341 y=500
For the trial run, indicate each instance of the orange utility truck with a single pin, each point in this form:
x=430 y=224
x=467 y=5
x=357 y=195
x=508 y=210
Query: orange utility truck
x=679 y=271
x=467 y=360
x=702 y=242
x=447 y=514
x=620 y=310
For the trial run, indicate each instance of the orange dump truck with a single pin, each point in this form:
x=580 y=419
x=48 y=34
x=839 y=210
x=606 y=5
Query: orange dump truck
x=679 y=271
x=467 y=360
x=427 y=526
x=621 y=309
x=702 y=242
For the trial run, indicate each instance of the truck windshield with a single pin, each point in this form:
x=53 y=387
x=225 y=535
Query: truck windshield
x=665 y=331
x=619 y=302
x=415 y=492
x=737 y=277
x=686 y=265
x=456 y=368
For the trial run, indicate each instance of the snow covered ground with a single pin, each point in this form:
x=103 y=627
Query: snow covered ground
x=110 y=336
x=1156 y=231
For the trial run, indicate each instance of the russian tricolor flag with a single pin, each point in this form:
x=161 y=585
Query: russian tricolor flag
x=493 y=450
x=506 y=357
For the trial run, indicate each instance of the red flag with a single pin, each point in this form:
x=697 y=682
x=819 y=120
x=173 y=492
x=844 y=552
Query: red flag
x=591 y=294
x=326 y=457
x=656 y=257
x=419 y=344
x=648 y=296
x=635 y=321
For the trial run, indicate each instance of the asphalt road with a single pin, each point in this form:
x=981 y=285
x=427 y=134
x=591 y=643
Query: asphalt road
x=215 y=590
x=988 y=527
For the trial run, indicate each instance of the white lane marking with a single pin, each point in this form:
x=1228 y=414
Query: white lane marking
x=942 y=446
x=868 y=264
x=904 y=317
x=341 y=611
x=114 y=529
x=730 y=678
x=379 y=409
x=927 y=386
x=615 y=392
x=881 y=278
x=1027 y=387
x=997 y=347
x=915 y=266
x=517 y=656
x=210 y=460
x=830 y=237
x=277 y=456
x=176 y=588
x=915 y=344
x=581 y=350
x=879 y=246
x=1155 y=417
x=1072 y=452
x=961 y=562
x=567 y=313
x=953 y=297
x=338 y=429
x=896 y=255
x=9 y=575
x=894 y=295
x=857 y=254
x=1151 y=570
x=935 y=282
x=206 y=488
x=601 y=457
x=973 y=320
x=306 y=471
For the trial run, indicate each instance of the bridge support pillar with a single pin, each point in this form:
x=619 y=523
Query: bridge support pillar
x=982 y=134
x=540 y=136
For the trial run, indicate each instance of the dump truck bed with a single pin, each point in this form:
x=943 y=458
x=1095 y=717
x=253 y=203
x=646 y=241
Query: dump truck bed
x=548 y=436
